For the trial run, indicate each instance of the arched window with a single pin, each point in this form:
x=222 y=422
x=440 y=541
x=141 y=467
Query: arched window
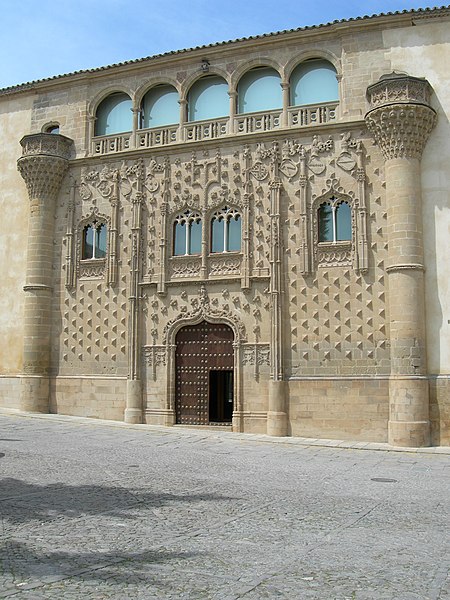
x=187 y=234
x=226 y=230
x=53 y=128
x=160 y=107
x=335 y=221
x=94 y=241
x=259 y=89
x=208 y=99
x=312 y=82
x=114 y=115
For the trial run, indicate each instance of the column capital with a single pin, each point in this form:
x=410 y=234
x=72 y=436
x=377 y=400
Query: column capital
x=401 y=118
x=45 y=159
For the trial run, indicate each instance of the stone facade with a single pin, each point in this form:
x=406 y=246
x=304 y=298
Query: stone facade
x=337 y=338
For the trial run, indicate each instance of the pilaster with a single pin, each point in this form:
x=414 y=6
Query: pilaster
x=401 y=120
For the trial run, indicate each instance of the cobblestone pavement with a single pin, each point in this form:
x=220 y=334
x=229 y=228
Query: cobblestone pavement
x=93 y=510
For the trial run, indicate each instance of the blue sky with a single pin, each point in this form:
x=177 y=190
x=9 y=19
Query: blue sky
x=43 y=38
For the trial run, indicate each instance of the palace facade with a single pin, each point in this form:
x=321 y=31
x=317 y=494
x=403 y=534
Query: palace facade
x=250 y=235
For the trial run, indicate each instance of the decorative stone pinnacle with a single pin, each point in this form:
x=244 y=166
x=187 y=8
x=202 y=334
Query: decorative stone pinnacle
x=45 y=159
x=400 y=118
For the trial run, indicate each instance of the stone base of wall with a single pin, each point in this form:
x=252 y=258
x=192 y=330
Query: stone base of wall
x=440 y=410
x=254 y=422
x=332 y=408
x=10 y=391
x=339 y=408
x=93 y=397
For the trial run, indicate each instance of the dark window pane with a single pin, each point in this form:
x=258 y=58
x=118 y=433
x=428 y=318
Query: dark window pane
x=343 y=222
x=217 y=235
x=234 y=234
x=325 y=223
x=195 y=237
x=88 y=242
x=180 y=239
x=100 y=247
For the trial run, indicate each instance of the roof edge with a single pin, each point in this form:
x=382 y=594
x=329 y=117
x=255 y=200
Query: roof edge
x=415 y=12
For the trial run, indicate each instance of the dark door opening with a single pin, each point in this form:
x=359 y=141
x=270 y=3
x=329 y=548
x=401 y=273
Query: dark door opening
x=220 y=396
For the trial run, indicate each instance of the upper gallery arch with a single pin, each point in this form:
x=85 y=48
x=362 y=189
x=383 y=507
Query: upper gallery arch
x=313 y=78
x=112 y=111
x=207 y=96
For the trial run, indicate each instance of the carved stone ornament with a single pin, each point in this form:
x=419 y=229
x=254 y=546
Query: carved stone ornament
x=401 y=131
x=92 y=269
x=288 y=168
x=46 y=144
x=334 y=255
x=399 y=88
x=346 y=161
x=185 y=267
x=203 y=310
x=154 y=356
x=316 y=165
x=400 y=119
x=259 y=171
x=225 y=266
x=256 y=354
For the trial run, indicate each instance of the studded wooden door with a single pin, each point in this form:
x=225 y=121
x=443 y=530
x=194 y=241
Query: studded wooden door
x=201 y=349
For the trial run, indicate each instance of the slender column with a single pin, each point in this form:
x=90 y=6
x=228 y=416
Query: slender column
x=303 y=245
x=113 y=233
x=164 y=232
x=90 y=134
x=245 y=279
x=136 y=114
x=183 y=117
x=284 y=116
x=43 y=165
x=70 y=268
x=133 y=410
x=401 y=121
x=277 y=423
x=231 y=123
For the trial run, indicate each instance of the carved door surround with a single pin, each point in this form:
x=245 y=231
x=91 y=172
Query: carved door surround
x=209 y=314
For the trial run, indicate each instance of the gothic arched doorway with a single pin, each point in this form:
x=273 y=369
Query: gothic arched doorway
x=204 y=367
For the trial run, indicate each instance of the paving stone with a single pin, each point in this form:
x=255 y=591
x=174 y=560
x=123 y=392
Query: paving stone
x=95 y=511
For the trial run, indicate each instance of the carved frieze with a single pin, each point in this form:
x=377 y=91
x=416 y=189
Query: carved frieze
x=185 y=267
x=225 y=266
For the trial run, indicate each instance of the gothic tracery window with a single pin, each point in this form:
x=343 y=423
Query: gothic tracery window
x=335 y=221
x=94 y=241
x=187 y=232
x=226 y=230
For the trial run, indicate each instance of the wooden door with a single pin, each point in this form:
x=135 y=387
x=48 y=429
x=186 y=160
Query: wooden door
x=201 y=349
